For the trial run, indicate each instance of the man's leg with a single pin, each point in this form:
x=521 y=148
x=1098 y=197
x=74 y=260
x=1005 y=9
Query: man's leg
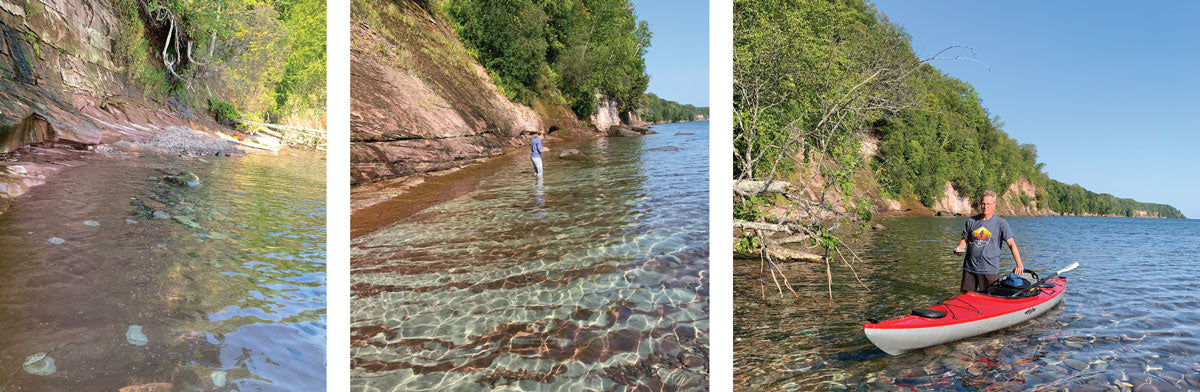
x=537 y=166
x=977 y=282
x=968 y=282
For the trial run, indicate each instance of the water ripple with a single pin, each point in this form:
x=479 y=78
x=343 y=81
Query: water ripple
x=594 y=277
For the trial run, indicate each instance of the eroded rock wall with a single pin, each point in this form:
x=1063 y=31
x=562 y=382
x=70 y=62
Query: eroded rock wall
x=59 y=82
x=606 y=114
x=419 y=103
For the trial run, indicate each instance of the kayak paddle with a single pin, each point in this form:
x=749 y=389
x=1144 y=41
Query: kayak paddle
x=1039 y=283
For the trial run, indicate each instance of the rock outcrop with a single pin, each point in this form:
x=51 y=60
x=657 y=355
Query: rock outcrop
x=607 y=114
x=437 y=110
x=952 y=203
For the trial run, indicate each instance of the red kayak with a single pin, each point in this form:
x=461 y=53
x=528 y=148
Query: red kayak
x=963 y=316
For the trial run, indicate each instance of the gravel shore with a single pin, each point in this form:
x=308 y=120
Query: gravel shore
x=184 y=140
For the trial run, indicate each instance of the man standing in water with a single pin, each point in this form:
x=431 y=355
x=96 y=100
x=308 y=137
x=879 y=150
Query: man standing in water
x=986 y=231
x=535 y=152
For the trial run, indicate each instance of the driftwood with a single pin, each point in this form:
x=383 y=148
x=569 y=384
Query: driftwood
x=794 y=239
x=788 y=254
x=748 y=188
x=763 y=226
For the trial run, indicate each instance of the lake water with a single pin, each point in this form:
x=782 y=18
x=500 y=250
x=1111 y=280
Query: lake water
x=595 y=277
x=1130 y=318
x=117 y=298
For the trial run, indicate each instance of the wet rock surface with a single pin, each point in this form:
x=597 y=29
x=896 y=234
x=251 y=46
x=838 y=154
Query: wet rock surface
x=664 y=148
x=405 y=123
x=622 y=131
x=183 y=179
x=572 y=154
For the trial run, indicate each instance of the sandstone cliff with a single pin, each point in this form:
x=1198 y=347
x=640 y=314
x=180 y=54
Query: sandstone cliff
x=419 y=102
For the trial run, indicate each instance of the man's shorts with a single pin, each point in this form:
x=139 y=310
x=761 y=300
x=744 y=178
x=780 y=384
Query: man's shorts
x=977 y=282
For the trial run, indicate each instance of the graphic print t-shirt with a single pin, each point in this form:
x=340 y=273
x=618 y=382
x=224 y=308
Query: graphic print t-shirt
x=984 y=238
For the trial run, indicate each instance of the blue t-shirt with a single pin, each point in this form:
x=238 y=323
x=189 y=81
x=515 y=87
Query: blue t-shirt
x=984 y=239
x=535 y=148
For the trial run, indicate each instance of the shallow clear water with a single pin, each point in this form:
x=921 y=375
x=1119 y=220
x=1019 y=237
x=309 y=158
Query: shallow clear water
x=595 y=277
x=244 y=294
x=1129 y=319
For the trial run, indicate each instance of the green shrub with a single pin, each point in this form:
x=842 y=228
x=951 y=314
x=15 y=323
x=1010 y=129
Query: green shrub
x=224 y=112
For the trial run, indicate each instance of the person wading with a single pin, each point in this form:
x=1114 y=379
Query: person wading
x=535 y=152
x=981 y=238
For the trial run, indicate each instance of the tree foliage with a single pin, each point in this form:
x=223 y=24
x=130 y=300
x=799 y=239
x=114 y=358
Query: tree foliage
x=303 y=84
x=655 y=109
x=568 y=50
x=807 y=73
x=267 y=58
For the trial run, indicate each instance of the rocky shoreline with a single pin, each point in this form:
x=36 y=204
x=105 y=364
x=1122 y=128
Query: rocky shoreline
x=31 y=165
x=377 y=203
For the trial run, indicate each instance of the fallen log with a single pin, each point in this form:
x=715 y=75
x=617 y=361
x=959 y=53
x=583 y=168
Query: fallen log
x=750 y=188
x=741 y=224
x=781 y=253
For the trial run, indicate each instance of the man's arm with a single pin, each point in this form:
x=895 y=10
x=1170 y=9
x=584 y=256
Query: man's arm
x=1012 y=245
x=962 y=246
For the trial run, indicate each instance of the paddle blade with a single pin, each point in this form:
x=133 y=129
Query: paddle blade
x=1069 y=267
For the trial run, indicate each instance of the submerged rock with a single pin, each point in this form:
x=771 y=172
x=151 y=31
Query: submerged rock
x=187 y=221
x=130 y=221
x=57 y=241
x=39 y=364
x=91 y=223
x=162 y=215
x=152 y=387
x=683 y=133
x=665 y=148
x=218 y=378
x=1076 y=364
x=572 y=154
x=183 y=179
x=644 y=131
x=135 y=336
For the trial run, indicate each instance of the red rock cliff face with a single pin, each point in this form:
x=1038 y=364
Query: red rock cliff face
x=420 y=103
x=59 y=82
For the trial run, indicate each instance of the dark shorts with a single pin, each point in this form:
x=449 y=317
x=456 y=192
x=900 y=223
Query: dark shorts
x=977 y=282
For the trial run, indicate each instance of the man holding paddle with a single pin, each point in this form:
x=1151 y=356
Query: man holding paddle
x=985 y=233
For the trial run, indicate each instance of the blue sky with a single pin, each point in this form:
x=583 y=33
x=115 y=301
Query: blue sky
x=677 y=60
x=1108 y=91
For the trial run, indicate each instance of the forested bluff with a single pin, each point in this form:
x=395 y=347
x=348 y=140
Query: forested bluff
x=830 y=98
